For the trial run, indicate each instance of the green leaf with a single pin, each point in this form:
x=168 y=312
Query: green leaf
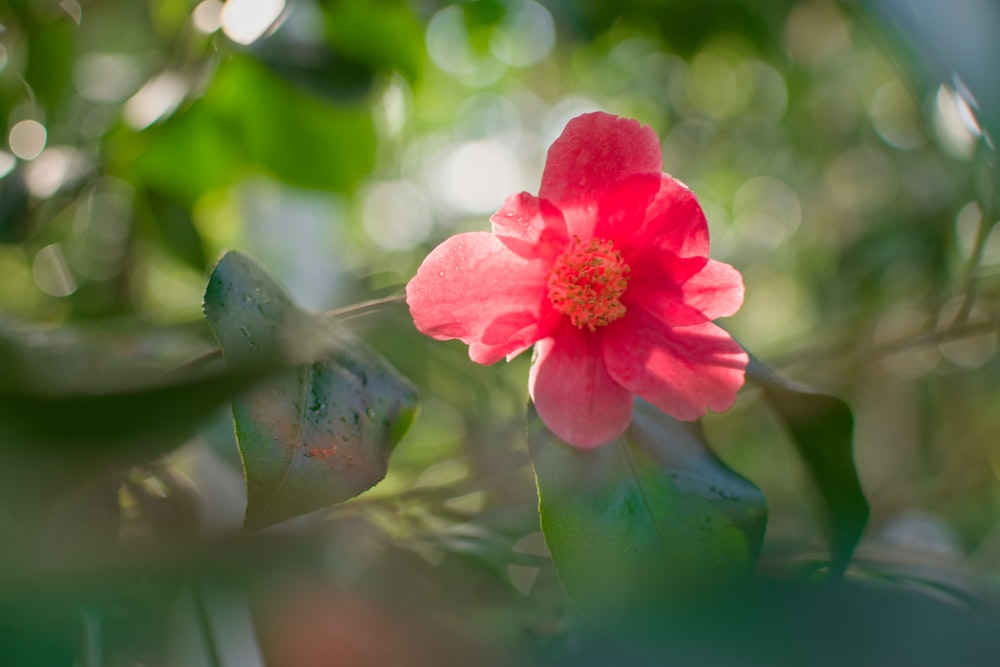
x=301 y=139
x=822 y=428
x=652 y=512
x=183 y=157
x=50 y=61
x=383 y=34
x=321 y=432
x=13 y=207
x=73 y=406
x=171 y=223
x=317 y=70
x=250 y=121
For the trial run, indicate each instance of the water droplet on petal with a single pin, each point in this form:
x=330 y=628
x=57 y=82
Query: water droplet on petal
x=441 y=274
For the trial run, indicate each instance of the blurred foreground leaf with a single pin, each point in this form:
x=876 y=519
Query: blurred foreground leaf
x=822 y=428
x=779 y=623
x=321 y=432
x=73 y=405
x=653 y=511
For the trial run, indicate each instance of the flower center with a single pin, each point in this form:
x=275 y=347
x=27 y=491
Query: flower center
x=586 y=282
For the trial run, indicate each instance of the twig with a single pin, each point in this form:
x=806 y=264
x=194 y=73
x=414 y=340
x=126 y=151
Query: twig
x=986 y=222
x=205 y=625
x=204 y=357
x=953 y=332
x=933 y=337
x=358 y=309
x=92 y=649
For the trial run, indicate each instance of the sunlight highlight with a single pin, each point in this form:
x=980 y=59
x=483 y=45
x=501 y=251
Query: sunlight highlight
x=156 y=99
x=246 y=21
x=207 y=16
x=27 y=139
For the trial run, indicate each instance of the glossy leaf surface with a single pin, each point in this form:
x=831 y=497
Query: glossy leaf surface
x=320 y=432
x=653 y=511
x=822 y=429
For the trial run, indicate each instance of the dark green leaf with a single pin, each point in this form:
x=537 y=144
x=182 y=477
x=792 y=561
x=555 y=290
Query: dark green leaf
x=13 y=207
x=822 y=427
x=50 y=60
x=72 y=406
x=250 y=121
x=301 y=139
x=156 y=416
x=318 y=70
x=653 y=511
x=76 y=391
x=321 y=432
x=187 y=155
x=383 y=34
x=175 y=227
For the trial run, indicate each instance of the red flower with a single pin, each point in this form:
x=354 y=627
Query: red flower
x=607 y=273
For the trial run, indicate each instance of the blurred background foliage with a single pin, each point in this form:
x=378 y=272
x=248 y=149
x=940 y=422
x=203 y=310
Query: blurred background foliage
x=843 y=156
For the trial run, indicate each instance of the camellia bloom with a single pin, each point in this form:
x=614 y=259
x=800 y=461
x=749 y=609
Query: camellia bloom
x=606 y=272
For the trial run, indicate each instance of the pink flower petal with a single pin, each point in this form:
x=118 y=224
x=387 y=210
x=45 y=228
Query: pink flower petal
x=501 y=337
x=682 y=371
x=716 y=290
x=530 y=226
x=572 y=391
x=620 y=211
x=682 y=290
x=595 y=151
x=474 y=288
x=674 y=222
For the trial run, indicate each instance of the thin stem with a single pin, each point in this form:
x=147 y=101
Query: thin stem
x=982 y=235
x=934 y=337
x=968 y=280
x=205 y=625
x=358 y=309
x=92 y=645
x=953 y=332
x=204 y=357
x=344 y=313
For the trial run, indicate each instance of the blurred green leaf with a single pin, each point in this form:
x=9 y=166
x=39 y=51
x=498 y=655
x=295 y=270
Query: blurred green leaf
x=85 y=393
x=321 y=432
x=151 y=415
x=173 y=226
x=654 y=511
x=822 y=428
x=250 y=121
x=187 y=155
x=301 y=139
x=13 y=207
x=317 y=70
x=384 y=34
x=50 y=59
x=781 y=623
x=71 y=408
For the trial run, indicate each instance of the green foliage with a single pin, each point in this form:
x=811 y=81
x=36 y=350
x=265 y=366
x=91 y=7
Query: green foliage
x=384 y=34
x=822 y=429
x=654 y=513
x=319 y=433
x=73 y=406
x=250 y=121
x=835 y=151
